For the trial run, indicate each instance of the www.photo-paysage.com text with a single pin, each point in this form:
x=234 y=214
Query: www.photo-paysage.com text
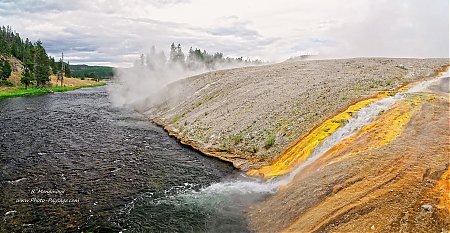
x=49 y=200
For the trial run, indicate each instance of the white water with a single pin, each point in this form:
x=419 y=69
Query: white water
x=230 y=198
x=248 y=185
x=423 y=86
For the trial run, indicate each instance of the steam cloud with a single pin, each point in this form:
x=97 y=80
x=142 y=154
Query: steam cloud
x=141 y=86
x=386 y=28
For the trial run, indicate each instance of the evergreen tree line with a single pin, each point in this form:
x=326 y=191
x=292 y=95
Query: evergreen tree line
x=37 y=65
x=95 y=72
x=196 y=59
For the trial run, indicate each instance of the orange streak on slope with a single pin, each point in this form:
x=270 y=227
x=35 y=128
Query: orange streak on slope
x=376 y=134
x=300 y=151
x=383 y=130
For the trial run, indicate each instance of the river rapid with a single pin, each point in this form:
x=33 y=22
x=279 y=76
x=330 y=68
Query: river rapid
x=72 y=162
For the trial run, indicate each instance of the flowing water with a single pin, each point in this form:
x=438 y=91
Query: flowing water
x=72 y=162
x=363 y=117
x=127 y=174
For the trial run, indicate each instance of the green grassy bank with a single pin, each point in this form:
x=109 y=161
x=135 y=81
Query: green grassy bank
x=15 y=92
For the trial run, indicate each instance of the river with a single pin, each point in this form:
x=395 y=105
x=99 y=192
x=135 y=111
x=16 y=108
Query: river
x=72 y=162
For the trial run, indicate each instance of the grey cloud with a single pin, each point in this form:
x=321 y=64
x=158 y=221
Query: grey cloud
x=236 y=30
x=98 y=32
x=111 y=41
x=114 y=38
x=33 y=6
x=55 y=45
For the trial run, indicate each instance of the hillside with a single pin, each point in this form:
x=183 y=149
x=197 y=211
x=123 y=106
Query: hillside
x=100 y=72
x=25 y=64
x=16 y=88
x=271 y=120
x=249 y=116
x=371 y=181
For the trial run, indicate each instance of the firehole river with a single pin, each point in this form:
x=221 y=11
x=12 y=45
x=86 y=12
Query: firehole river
x=72 y=162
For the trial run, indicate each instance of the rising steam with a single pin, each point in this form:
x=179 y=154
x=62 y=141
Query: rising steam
x=142 y=84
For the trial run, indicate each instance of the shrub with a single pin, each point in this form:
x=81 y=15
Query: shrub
x=270 y=141
x=6 y=83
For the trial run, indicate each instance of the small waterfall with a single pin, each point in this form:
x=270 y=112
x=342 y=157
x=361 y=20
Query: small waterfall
x=222 y=205
x=363 y=117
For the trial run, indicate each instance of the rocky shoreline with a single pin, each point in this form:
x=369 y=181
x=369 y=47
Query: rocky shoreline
x=249 y=116
x=366 y=184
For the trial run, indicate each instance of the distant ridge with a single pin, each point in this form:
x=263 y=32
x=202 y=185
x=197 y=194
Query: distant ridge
x=100 y=72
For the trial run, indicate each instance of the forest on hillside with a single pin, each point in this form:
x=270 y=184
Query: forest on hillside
x=37 y=65
x=95 y=72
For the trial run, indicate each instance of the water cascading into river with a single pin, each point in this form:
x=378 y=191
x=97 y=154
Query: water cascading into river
x=386 y=111
x=382 y=117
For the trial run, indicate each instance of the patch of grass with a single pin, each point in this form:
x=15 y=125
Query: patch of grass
x=362 y=88
x=238 y=138
x=16 y=92
x=200 y=103
x=225 y=146
x=270 y=141
x=254 y=148
x=401 y=67
x=9 y=93
x=175 y=119
x=70 y=88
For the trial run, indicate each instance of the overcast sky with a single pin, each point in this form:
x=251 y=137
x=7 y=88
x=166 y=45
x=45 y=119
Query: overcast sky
x=109 y=32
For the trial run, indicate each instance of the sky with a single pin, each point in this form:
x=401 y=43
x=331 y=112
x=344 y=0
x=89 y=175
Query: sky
x=115 y=32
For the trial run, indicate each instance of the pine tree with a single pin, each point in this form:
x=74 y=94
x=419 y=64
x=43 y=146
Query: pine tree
x=180 y=54
x=33 y=57
x=53 y=65
x=3 y=45
x=6 y=70
x=27 y=77
x=27 y=59
x=173 y=52
x=42 y=71
x=67 y=72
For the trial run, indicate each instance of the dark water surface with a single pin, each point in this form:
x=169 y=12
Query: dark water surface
x=71 y=162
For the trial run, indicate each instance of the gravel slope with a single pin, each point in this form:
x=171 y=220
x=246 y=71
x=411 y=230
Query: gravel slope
x=248 y=116
x=399 y=187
